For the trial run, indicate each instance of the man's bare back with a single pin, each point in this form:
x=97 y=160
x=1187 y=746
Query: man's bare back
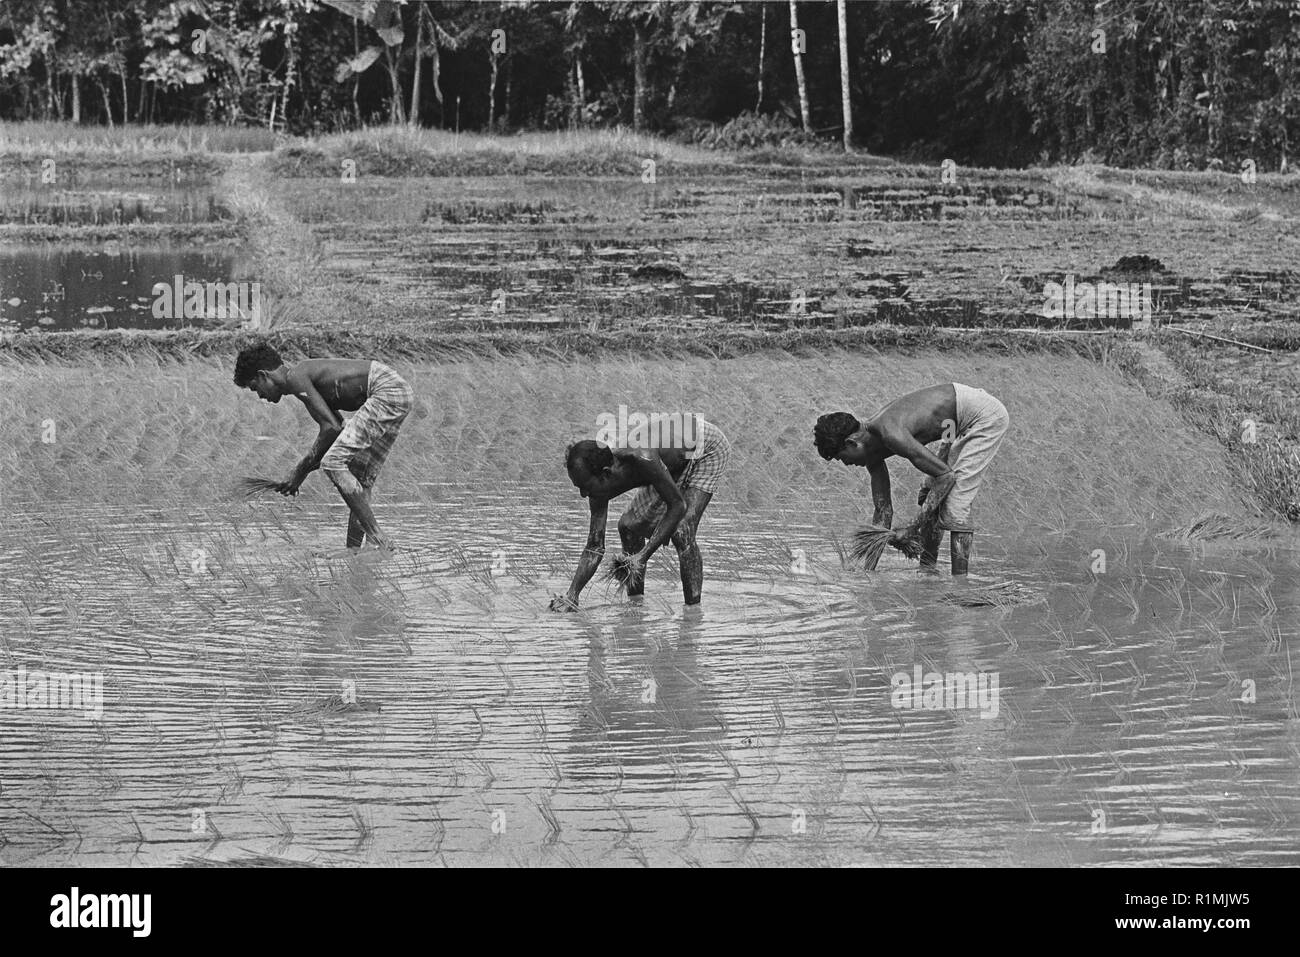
x=923 y=414
x=658 y=464
x=341 y=383
x=328 y=387
x=663 y=510
x=904 y=428
x=641 y=462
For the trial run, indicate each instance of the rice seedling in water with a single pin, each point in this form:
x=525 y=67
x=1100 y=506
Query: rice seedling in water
x=1214 y=526
x=869 y=541
x=251 y=486
x=1000 y=595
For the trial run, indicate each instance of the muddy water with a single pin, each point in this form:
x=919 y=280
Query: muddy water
x=109 y=285
x=774 y=253
x=262 y=704
x=694 y=252
x=394 y=711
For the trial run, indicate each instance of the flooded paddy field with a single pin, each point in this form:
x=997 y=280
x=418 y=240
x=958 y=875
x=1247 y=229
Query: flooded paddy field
x=263 y=704
x=85 y=251
x=888 y=245
x=66 y=286
x=758 y=249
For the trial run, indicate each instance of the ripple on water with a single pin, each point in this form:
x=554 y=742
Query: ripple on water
x=268 y=706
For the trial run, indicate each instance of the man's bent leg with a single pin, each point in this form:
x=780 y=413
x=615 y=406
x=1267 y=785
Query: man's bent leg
x=977 y=450
x=688 y=550
x=960 y=549
x=930 y=541
x=357 y=534
x=358 y=500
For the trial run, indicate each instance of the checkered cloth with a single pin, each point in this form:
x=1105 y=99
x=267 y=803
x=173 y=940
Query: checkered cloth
x=366 y=439
x=707 y=462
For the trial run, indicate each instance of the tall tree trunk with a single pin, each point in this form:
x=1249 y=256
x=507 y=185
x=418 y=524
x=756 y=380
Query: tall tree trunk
x=435 y=72
x=639 y=77
x=798 y=68
x=492 y=94
x=126 y=101
x=414 y=118
x=288 y=79
x=510 y=76
x=356 y=77
x=51 y=101
x=395 y=108
x=846 y=105
x=582 y=86
x=575 y=91
x=108 y=104
x=762 y=53
x=76 y=97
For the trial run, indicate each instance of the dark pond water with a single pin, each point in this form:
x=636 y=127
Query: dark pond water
x=60 y=288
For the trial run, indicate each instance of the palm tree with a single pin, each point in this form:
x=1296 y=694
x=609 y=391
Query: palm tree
x=845 y=104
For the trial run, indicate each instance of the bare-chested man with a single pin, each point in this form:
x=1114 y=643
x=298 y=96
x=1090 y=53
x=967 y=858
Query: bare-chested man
x=677 y=473
x=973 y=421
x=350 y=454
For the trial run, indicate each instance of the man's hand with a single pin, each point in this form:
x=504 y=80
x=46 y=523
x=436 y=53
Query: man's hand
x=564 y=603
x=289 y=487
x=907 y=540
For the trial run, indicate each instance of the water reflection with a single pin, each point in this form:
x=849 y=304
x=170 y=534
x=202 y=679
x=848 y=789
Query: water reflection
x=63 y=287
x=421 y=709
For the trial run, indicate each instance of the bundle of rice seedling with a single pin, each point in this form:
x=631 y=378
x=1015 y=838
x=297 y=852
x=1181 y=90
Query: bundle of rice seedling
x=909 y=545
x=620 y=571
x=869 y=541
x=869 y=544
x=251 y=486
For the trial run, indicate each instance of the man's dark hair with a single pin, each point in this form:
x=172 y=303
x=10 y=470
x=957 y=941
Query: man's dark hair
x=253 y=360
x=593 y=456
x=831 y=432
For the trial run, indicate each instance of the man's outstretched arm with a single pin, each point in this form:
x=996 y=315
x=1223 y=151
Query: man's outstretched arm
x=589 y=561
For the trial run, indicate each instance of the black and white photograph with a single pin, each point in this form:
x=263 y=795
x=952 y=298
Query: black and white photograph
x=794 y=434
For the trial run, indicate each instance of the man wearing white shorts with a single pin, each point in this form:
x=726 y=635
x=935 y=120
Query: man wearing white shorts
x=971 y=424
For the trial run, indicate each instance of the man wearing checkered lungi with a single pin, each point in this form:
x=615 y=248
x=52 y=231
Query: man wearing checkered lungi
x=675 y=463
x=350 y=452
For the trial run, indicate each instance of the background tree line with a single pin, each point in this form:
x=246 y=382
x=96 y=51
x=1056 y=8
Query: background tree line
x=1169 y=83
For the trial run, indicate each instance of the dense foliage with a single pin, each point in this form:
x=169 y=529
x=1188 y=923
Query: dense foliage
x=1170 y=83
